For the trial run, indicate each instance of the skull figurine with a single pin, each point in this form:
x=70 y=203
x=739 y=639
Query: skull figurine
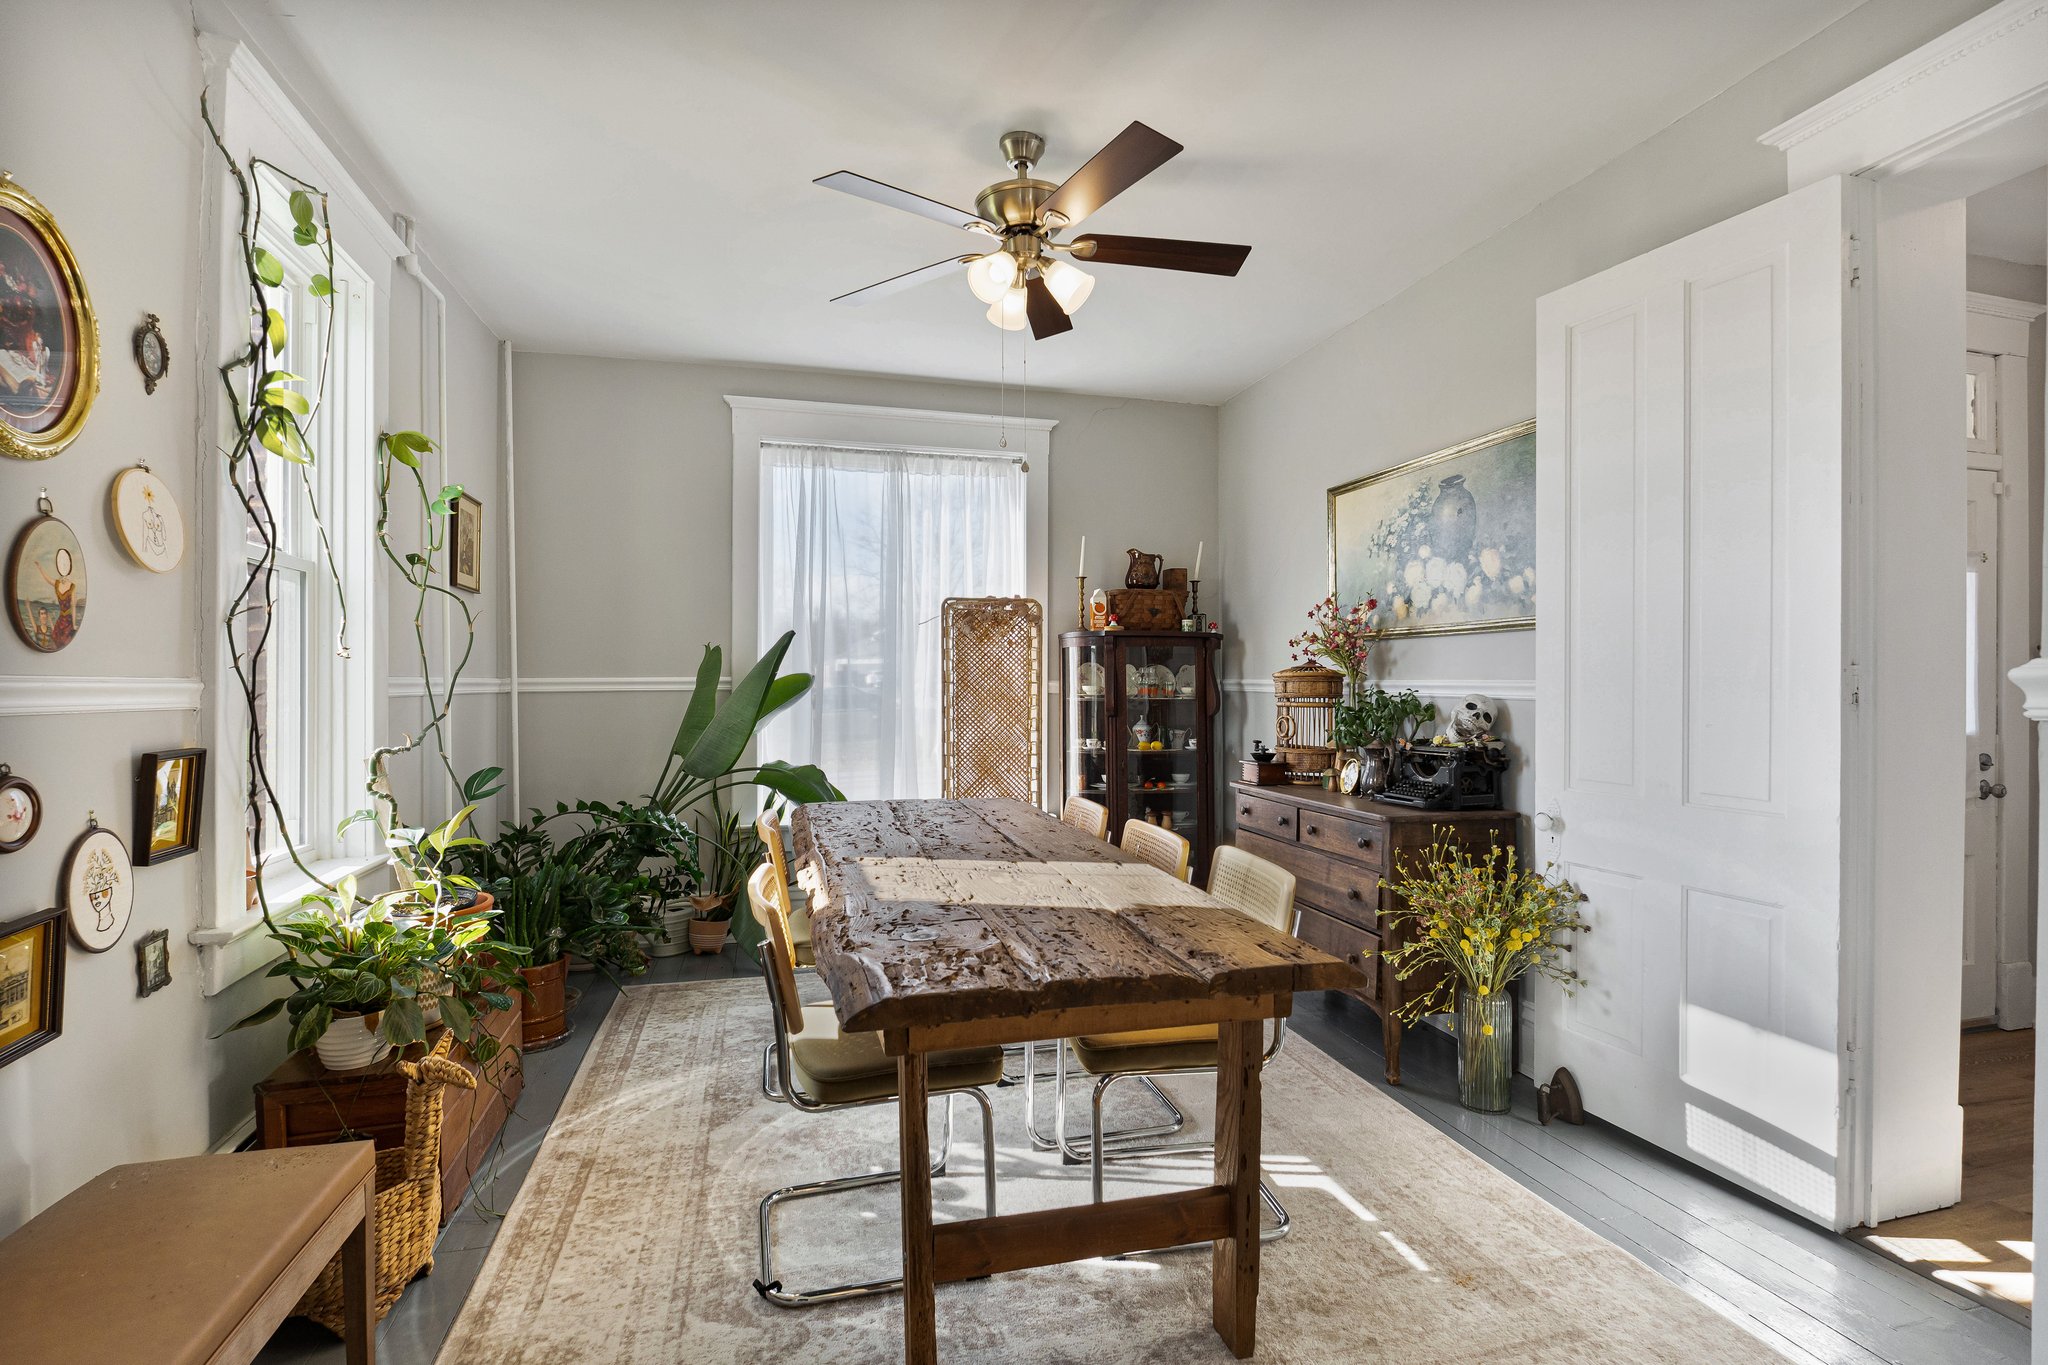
x=1473 y=720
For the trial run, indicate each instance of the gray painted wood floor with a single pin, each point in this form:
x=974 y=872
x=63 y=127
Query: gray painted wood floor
x=1813 y=1296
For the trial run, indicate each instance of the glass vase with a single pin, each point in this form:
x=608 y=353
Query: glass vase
x=1486 y=1050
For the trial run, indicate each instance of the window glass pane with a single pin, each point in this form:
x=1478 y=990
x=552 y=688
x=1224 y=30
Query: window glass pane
x=281 y=700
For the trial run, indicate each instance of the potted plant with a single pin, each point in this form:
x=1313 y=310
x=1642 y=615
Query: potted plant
x=1473 y=927
x=733 y=850
x=367 y=969
x=1377 y=721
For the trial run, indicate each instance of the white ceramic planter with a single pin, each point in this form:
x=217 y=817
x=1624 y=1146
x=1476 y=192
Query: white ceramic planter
x=676 y=920
x=352 y=1043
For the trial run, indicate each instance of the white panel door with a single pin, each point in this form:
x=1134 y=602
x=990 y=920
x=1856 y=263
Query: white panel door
x=1983 y=783
x=1689 y=659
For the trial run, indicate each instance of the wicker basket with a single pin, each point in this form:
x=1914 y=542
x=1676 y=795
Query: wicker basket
x=408 y=1194
x=1305 y=701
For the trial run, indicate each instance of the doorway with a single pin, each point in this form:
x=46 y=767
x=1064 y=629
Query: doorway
x=1981 y=1244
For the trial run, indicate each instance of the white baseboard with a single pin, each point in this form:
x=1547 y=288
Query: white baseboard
x=233 y=1139
x=2015 y=995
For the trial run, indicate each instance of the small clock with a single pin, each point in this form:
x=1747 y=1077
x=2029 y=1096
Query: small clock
x=152 y=352
x=1351 y=780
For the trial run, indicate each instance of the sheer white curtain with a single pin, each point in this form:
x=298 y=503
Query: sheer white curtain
x=859 y=548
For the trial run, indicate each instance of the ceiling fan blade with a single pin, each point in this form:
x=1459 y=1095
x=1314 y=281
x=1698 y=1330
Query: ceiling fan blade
x=1048 y=319
x=1161 y=253
x=1131 y=155
x=861 y=187
x=909 y=279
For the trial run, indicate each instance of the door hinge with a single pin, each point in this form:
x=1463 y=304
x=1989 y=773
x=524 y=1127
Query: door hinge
x=1852 y=259
x=1855 y=684
x=1999 y=488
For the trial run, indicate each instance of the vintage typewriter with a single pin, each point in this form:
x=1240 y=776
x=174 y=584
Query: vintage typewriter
x=1439 y=777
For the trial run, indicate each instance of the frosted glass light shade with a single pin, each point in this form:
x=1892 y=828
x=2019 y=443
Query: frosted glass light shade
x=990 y=275
x=1008 y=311
x=1070 y=285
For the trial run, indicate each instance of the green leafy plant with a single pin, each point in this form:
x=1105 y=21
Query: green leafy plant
x=1377 y=716
x=394 y=953
x=704 y=760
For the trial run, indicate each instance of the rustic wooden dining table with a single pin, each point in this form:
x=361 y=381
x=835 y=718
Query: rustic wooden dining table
x=951 y=924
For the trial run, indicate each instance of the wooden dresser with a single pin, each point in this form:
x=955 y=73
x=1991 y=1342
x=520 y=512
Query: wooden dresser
x=1339 y=848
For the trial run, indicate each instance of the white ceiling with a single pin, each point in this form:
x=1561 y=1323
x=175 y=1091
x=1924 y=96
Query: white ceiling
x=2010 y=221
x=632 y=178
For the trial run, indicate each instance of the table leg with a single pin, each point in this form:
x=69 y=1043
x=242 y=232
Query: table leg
x=920 y=1315
x=1234 y=1290
x=359 y=1284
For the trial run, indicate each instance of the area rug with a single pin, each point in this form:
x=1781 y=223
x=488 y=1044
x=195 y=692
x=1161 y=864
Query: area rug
x=632 y=1241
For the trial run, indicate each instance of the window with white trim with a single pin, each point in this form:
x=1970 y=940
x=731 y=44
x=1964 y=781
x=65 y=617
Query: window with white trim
x=314 y=685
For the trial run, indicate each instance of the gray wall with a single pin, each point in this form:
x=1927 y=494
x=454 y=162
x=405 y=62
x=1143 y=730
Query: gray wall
x=102 y=112
x=625 y=552
x=1454 y=356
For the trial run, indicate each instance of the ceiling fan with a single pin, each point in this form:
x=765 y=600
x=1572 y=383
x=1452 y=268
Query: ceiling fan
x=1024 y=280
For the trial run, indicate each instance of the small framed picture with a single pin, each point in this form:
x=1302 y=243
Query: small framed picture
x=466 y=544
x=31 y=982
x=153 y=962
x=21 y=811
x=170 y=790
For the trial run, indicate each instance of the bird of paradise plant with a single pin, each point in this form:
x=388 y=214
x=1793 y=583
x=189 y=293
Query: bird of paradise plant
x=1487 y=921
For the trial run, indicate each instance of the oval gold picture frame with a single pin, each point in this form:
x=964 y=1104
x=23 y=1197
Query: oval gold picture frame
x=41 y=445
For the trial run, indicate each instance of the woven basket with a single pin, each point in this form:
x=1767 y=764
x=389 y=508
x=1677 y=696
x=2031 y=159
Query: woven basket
x=1305 y=701
x=992 y=682
x=408 y=1194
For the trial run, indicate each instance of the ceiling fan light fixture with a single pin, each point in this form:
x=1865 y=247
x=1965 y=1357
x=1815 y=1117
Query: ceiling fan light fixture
x=991 y=276
x=1009 y=311
x=1070 y=285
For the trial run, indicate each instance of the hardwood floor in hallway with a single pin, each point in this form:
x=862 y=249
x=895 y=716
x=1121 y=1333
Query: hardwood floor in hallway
x=1983 y=1246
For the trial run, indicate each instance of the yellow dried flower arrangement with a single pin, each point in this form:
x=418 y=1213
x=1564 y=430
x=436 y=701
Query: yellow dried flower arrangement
x=1488 y=921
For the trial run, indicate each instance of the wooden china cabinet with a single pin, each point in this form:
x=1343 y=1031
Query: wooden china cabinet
x=1139 y=729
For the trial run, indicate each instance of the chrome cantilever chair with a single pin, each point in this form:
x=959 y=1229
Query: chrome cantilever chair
x=1090 y=817
x=1167 y=851
x=821 y=1069
x=1254 y=887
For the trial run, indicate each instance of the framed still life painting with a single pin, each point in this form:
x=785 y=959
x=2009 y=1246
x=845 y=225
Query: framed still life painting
x=466 y=544
x=31 y=982
x=49 y=343
x=1446 y=543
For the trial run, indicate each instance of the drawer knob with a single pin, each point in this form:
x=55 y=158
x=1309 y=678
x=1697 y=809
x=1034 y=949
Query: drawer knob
x=1244 y=810
x=1312 y=829
x=1352 y=894
x=1364 y=842
x=1282 y=822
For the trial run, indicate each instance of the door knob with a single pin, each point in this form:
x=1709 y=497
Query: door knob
x=1987 y=790
x=1545 y=821
x=1983 y=762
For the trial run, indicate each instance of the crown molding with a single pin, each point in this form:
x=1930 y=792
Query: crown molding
x=70 y=696
x=973 y=419
x=1994 y=306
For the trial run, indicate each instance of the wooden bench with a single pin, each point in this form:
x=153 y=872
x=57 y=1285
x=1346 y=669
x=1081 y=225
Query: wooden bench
x=192 y=1261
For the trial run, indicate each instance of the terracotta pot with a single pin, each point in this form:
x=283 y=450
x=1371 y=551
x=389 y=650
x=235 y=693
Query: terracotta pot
x=352 y=1043
x=544 y=1010
x=709 y=935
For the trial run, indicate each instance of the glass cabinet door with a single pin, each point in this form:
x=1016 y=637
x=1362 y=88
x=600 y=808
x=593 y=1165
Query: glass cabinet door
x=1085 y=689
x=1163 y=725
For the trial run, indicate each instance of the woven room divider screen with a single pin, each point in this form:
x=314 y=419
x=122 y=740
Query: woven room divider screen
x=992 y=678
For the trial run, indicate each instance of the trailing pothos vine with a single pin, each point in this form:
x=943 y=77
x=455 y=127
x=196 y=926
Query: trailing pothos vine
x=350 y=953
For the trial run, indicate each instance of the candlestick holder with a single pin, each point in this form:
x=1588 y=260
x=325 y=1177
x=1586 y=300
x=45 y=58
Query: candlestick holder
x=1194 y=620
x=1081 y=600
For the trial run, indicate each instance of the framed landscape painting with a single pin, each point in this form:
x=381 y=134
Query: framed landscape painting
x=1446 y=543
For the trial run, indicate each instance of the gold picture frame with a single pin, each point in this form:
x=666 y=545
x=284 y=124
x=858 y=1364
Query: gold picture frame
x=466 y=544
x=40 y=413
x=1386 y=528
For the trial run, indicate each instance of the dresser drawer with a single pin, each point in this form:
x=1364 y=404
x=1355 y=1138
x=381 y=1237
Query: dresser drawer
x=1274 y=819
x=1310 y=868
x=1360 y=839
x=1342 y=889
x=1359 y=947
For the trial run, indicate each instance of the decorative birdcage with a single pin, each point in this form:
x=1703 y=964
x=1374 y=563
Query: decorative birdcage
x=992 y=682
x=1305 y=701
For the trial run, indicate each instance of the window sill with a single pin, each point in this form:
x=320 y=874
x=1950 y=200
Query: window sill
x=235 y=949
